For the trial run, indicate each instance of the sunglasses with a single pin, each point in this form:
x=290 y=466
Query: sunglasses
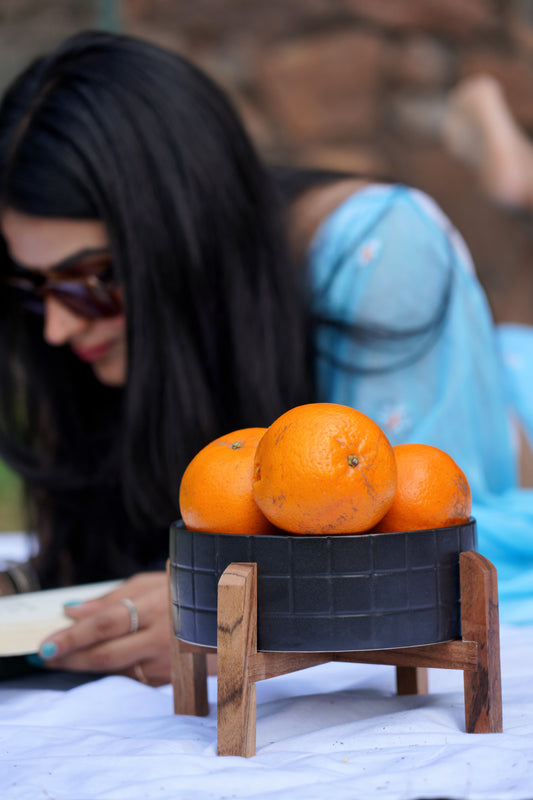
x=83 y=283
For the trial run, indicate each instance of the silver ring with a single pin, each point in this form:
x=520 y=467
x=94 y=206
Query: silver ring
x=134 y=614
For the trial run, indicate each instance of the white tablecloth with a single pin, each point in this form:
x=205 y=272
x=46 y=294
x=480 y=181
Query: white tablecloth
x=334 y=732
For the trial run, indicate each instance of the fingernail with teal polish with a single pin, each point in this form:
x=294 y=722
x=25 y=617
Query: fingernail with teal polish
x=35 y=660
x=72 y=603
x=48 y=649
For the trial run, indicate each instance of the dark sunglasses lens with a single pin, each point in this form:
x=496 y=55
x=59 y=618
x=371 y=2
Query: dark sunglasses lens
x=85 y=287
x=87 y=301
x=24 y=294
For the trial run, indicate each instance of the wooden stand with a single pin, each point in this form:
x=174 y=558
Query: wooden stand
x=240 y=664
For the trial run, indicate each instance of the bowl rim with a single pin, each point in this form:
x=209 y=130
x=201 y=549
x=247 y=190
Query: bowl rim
x=178 y=524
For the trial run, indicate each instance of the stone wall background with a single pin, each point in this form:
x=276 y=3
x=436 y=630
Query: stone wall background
x=340 y=83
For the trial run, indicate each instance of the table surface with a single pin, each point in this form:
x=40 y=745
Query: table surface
x=333 y=731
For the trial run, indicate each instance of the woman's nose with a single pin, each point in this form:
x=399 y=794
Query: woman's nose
x=60 y=323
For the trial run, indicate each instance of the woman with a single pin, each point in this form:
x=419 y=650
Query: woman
x=137 y=220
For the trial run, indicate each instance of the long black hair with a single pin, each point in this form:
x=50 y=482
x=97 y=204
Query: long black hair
x=113 y=128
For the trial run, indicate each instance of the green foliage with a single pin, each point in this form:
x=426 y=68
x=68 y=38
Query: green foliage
x=10 y=500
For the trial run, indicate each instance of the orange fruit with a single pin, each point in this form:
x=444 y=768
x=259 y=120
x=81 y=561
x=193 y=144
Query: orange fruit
x=215 y=492
x=432 y=491
x=324 y=468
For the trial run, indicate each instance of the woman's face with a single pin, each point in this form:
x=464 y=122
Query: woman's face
x=40 y=243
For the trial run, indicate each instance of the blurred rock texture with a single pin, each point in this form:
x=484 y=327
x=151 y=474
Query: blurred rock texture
x=351 y=84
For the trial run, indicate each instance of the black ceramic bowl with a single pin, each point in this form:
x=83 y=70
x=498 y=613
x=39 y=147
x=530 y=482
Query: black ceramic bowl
x=326 y=593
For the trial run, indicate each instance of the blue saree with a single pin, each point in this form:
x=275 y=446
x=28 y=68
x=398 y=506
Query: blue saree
x=404 y=333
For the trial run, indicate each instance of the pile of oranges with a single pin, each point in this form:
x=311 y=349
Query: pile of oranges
x=321 y=468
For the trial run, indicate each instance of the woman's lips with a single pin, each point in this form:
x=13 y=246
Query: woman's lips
x=91 y=354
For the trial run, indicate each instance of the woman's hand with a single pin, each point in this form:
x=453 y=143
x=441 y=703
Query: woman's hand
x=110 y=635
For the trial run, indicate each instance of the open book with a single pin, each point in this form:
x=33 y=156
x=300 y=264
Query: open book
x=27 y=619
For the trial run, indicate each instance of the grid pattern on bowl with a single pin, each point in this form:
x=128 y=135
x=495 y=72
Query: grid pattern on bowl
x=327 y=593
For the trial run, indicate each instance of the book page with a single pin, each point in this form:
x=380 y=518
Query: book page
x=27 y=619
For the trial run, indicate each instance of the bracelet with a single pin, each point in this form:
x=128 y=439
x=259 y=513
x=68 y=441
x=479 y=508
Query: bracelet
x=7 y=586
x=22 y=577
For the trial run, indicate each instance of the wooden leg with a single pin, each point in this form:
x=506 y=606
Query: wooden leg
x=411 y=680
x=189 y=681
x=480 y=623
x=236 y=641
x=188 y=674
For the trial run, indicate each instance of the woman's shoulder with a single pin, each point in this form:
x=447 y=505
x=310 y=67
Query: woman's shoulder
x=388 y=256
x=407 y=222
x=310 y=207
x=348 y=206
x=363 y=201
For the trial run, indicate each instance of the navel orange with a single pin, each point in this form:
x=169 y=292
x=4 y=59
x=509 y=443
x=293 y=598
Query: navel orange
x=215 y=492
x=432 y=491
x=324 y=468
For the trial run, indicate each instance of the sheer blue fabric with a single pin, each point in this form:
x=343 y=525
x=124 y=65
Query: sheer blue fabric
x=425 y=360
